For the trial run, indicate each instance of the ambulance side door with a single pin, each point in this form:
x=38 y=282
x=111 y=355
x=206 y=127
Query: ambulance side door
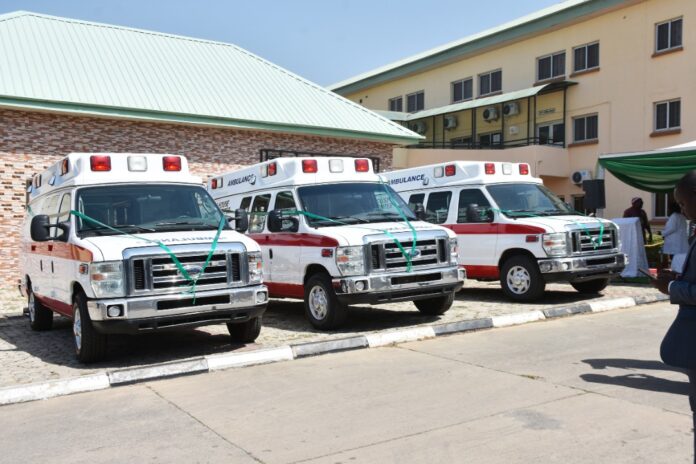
x=257 y=231
x=477 y=233
x=287 y=248
x=42 y=252
x=64 y=268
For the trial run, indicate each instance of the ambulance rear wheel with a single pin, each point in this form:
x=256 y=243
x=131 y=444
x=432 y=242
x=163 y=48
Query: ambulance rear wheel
x=322 y=307
x=40 y=317
x=591 y=286
x=90 y=345
x=521 y=279
x=245 y=332
x=435 y=306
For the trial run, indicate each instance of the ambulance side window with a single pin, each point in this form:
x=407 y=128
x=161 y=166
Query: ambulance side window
x=63 y=214
x=259 y=210
x=415 y=199
x=285 y=200
x=438 y=207
x=466 y=198
x=246 y=201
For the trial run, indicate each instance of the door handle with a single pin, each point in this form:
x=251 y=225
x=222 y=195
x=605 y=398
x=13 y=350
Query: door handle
x=270 y=253
x=41 y=264
x=52 y=270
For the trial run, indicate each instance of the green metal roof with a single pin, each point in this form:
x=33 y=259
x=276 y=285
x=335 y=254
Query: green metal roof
x=478 y=103
x=78 y=67
x=535 y=23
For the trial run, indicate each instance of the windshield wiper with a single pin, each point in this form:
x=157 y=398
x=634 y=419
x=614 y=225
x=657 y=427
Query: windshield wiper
x=100 y=229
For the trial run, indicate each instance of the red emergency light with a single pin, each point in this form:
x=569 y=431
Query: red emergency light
x=490 y=168
x=309 y=166
x=272 y=169
x=64 y=166
x=450 y=170
x=100 y=162
x=524 y=169
x=215 y=183
x=171 y=163
x=362 y=165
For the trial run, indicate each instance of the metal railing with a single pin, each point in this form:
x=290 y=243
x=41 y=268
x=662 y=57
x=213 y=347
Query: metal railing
x=471 y=145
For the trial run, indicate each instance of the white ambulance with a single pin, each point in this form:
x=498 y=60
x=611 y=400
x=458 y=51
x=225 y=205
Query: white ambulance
x=132 y=243
x=333 y=234
x=512 y=228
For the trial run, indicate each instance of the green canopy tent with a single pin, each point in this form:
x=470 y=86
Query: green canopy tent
x=654 y=171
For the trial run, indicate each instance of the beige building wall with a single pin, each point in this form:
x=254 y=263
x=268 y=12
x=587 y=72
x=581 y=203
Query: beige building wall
x=630 y=80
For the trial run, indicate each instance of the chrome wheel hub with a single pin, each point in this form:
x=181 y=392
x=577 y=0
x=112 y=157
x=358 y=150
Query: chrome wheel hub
x=318 y=303
x=518 y=280
x=77 y=329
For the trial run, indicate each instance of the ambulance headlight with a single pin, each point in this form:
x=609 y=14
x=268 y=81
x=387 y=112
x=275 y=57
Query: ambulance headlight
x=555 y=244
x=350 y=260
x=255 y=263
x=454 y=250
x=107 y=279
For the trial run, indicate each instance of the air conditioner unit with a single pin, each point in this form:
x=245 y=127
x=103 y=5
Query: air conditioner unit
x=419 y=127
x=450 y=122
x=511 y=109
x=578 y=176
x=490 y=114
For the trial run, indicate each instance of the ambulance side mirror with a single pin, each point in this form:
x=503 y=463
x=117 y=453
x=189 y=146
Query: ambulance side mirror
x=40 y=227
x=241 y=220
x=419 y=211
x=279 y=222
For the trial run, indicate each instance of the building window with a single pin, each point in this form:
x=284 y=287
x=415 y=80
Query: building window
x=462 y=90
x=550 y=66
x=667 y=115
x=551 y=134
x=668 y=35
x=585 y=128
x=415 y=101
x=586 y=57
x=459 y=142
x=490 y=82
x=488 y=140
x=662 y=202
x=396 y=104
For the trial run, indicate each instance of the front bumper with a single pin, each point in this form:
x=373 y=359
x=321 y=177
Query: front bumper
x=402 y=286
x=144 y=314
x=582 y=268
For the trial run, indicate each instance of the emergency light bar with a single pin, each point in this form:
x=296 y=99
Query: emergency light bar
x=524 y=169
x=490 y=168
x=171 y=163
x=100 y=163
x=362 y=165
x=309 y=166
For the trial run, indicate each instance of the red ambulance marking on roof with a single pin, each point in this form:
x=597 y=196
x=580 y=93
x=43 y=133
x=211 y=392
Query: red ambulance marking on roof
x=294 y=239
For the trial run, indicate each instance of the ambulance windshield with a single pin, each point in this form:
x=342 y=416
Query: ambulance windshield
x=526 y=200
x=352 y=203
x=139 y=208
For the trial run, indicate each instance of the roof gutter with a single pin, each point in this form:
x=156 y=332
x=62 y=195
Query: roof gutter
x=78 y=109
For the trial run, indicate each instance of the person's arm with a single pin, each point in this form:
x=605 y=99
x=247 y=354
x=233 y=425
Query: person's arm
x=682 y=292
x=647 y=224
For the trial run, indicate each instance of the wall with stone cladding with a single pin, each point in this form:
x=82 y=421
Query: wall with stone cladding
x=32 y=141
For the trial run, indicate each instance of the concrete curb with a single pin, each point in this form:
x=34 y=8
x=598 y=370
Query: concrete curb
x=216 y=362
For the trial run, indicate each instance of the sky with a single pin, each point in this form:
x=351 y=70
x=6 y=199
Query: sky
x=325 y=41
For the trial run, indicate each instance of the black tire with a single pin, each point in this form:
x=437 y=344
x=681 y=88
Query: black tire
x=91 y=345
x=245 y=332
x=435 y=306
x=40 y=317
x=324 y=310
x=521 y=279
x=590 y=286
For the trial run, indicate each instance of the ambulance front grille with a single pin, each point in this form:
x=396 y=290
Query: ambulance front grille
x=389 y=257
x=160 y=273
x=594 y=240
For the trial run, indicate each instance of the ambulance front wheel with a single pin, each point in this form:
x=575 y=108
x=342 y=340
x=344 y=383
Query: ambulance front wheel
x=521 y=279
x=245 y=332
x=322 y=307
x=90 y=345
x=435 y=306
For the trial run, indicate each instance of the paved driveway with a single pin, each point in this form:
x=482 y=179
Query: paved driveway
x=28 y=357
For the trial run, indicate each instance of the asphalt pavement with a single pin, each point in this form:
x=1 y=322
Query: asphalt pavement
x=587 y=389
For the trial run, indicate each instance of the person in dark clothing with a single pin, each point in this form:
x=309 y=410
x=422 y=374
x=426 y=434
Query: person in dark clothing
x=679 y=345
x=636 y=210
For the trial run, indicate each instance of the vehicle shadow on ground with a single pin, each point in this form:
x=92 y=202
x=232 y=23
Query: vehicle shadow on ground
x=494 y=294
x=290 y=316
x=636 y=379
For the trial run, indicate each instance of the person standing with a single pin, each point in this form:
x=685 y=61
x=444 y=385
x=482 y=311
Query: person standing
x=676 y=232
x=679 y=345
x=636 y=210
